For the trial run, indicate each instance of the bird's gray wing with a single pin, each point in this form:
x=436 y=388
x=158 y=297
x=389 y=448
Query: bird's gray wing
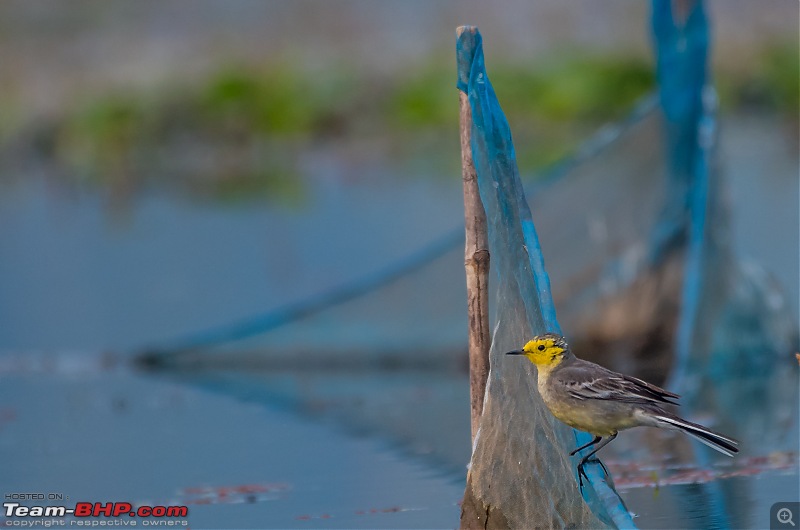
x=587 y=380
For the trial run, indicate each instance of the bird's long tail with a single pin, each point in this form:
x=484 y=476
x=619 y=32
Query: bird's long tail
x=714 y=440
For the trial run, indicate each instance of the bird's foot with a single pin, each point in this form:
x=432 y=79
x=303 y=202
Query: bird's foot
x=595 y=460
x=582 y=471
x=581 y=475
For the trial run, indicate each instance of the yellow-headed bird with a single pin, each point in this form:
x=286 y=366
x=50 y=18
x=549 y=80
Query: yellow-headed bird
x=591 y=398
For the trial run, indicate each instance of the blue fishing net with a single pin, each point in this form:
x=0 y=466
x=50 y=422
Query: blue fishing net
x=520 y=471
x=734 y=334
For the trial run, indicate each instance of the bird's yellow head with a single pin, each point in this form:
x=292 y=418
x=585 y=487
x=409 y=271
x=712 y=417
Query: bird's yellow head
x=546 y=350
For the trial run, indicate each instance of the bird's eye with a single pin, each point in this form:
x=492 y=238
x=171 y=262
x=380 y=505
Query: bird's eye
x=541 y=347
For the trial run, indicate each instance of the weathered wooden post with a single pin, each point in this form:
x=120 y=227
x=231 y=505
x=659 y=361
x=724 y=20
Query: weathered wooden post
x=476 y=260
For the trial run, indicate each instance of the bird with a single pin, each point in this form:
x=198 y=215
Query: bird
x=594 y=399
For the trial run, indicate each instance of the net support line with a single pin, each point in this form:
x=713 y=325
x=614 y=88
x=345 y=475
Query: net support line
x=259 y=324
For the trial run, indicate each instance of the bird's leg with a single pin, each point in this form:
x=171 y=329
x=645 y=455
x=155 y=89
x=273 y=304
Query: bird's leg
x=581 y=471
x=584 y=446
x=599 y=446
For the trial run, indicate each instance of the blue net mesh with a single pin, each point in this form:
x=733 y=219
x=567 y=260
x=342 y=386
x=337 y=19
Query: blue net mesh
x=734 y=330
x=519 y=465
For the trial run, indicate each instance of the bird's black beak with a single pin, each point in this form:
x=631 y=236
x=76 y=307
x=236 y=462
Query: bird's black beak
x=516 y=352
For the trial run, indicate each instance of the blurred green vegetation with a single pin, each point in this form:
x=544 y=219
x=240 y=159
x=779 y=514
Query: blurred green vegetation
x=243 y=133
x=280 y=101
x=774 y=88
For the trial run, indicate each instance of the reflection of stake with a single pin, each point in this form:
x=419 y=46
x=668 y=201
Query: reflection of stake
x=476 y=262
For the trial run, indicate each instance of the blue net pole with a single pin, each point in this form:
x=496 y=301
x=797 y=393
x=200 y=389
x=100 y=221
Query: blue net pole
x=681 y=51
x=689 y=109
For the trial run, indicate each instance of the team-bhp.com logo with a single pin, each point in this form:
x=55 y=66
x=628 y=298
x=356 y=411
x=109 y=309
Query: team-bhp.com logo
x=88 y=514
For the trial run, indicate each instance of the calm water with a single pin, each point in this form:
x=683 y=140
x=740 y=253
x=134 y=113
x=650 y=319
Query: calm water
x=283 y=451
x=170 y=266
x=307 y=448
x=110 y=435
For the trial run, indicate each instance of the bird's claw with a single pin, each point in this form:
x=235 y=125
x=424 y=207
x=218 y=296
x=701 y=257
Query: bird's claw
x=581 y=475
x=582 y=471
x=596 y=460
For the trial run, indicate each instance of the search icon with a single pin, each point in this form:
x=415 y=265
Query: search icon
x=784 y=516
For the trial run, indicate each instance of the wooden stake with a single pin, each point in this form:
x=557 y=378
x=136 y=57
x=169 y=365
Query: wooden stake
x=476 y=263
